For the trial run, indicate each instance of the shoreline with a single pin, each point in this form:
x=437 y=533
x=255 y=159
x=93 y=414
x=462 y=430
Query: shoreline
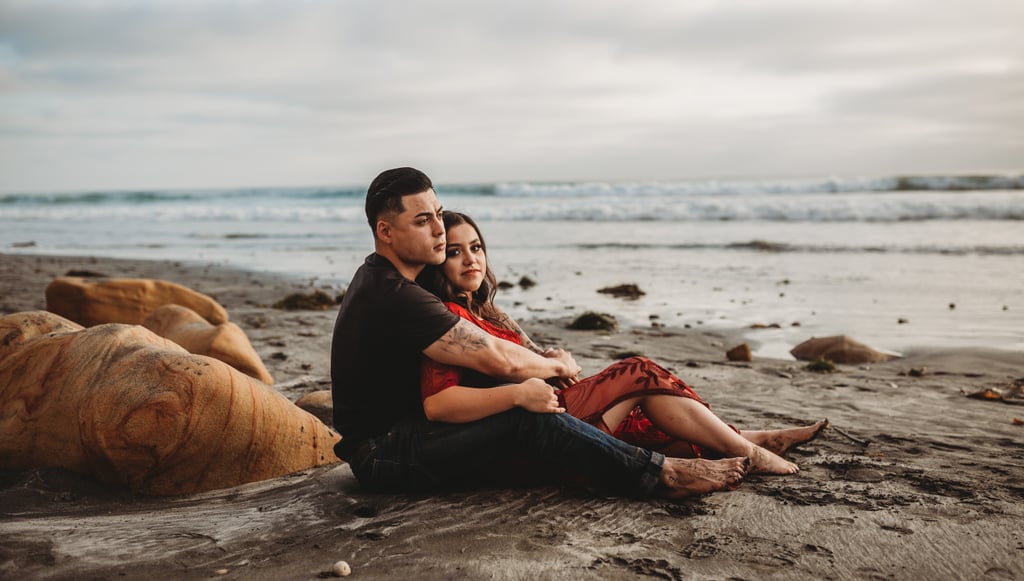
x=935 y=493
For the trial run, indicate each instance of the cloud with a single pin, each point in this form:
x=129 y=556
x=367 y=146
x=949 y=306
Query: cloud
x=222 y=93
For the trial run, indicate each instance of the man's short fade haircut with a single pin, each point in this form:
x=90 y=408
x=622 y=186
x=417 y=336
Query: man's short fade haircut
x=384 y=195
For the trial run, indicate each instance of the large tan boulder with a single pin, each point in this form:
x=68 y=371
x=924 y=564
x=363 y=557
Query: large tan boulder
x=226 y=341
x=838 y=349
x=129 y=407
x=124 y=300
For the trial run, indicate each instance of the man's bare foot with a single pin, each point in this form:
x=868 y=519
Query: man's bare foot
x=685 y=476
x=781 y=441
x=763 y=461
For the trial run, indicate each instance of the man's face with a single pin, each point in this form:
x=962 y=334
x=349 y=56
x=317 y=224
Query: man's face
x=417 y=234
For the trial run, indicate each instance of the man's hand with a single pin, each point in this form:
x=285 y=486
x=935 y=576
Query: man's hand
x=572 y=369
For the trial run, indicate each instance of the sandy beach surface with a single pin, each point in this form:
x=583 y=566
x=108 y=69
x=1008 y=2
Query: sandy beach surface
x=914 y=481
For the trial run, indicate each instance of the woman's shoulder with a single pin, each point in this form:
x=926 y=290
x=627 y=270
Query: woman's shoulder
x=459 y=309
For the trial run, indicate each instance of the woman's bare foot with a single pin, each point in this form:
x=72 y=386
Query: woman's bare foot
x=763 y=461
x=781 y=441
x=685 y=477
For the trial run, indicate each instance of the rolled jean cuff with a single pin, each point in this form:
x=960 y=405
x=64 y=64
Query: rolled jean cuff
x=651 y=474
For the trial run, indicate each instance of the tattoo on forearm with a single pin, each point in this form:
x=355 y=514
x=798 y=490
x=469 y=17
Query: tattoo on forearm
x=464 y=337
x=511 y=323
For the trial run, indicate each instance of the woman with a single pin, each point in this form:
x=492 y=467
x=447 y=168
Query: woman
x=635 y=399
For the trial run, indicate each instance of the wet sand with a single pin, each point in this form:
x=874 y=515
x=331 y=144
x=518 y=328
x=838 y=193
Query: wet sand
x=915 y=481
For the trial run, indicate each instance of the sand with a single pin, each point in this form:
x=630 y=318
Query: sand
x=915 y=480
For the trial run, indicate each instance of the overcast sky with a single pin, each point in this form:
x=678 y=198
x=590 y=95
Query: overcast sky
x=203 y=93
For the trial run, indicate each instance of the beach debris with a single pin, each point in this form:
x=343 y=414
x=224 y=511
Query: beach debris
x=952 y=306
x=221 y=572
x=838 y=349
x=226 y=341
x=26 y=244
x=124 y=300
x=320 y=404
x=317 y=300
x=85 y=273
x=990 y=394
x=740 y=352
x=795 y=324
x=591 y=321
x=505 y=285
x=766 y=326
x=127 y=407
x=902 y=321
x=853 y=439
x=623 y=291
x=1018 y=422
x=915 y=372
x=526 y=283
x=820 y=365
x=341 y=569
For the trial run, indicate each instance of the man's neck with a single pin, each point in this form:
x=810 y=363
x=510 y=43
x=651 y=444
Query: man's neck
x=409 y=271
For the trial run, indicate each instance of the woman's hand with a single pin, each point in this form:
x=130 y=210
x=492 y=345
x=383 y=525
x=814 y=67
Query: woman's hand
x=534 y=395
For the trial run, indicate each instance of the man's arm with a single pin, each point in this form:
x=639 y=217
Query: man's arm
x=466 y=345
x=525 y=339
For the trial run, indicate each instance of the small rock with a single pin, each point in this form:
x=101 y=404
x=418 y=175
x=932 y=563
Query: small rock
x=623 y=291
x=739 y=353
x=952 y=306
x=838 y=349
x=320 y=404
x=820 y=366
x=85 y=273
x=527 y=282
x=591 y=321
x=917 y=372
x=317 y=300
x=341 y=569
x=505 y=285
x=221 y=572
x=902 y=321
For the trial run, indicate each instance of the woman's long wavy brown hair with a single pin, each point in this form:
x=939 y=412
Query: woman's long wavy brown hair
x=481 y=303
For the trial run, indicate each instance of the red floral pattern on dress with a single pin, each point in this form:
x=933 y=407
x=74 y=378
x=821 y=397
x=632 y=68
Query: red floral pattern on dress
x=592 y=397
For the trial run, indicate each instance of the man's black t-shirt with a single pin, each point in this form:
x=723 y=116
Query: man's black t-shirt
x=384 y=324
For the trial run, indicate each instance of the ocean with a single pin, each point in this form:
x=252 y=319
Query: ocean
x=898 y=262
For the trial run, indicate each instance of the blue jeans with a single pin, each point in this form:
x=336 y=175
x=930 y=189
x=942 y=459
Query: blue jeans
x=418 y=455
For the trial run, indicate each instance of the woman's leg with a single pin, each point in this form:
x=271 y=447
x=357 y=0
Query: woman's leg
x=671 y=405
x=781 y=441
x=689 y=420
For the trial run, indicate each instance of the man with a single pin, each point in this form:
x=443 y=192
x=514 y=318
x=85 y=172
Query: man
x=387 y=323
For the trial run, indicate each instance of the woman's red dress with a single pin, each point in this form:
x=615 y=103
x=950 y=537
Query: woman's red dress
x=588 y=399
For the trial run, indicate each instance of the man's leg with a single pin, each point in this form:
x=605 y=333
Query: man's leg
x=420 y=455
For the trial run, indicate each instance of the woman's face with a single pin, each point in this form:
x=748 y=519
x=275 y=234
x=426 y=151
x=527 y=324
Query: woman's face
x=466 y=262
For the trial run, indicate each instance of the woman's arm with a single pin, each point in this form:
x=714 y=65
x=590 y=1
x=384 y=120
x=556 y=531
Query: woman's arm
x=458 y=404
